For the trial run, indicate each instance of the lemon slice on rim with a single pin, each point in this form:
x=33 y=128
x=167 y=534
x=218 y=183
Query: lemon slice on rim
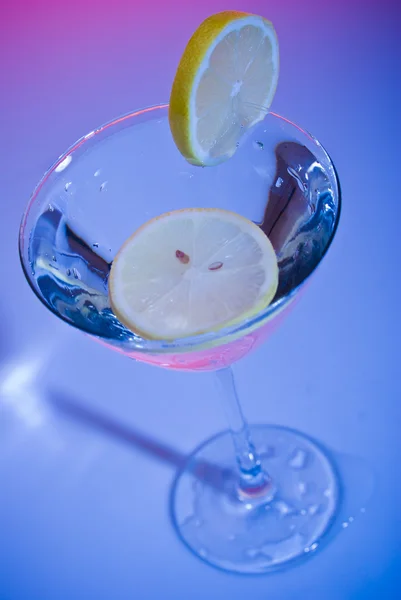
x=192 y=271
x=225 y=83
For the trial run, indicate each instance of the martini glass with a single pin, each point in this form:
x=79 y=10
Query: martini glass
x=251 y=499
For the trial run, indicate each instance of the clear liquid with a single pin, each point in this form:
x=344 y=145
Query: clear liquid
x=72 y=275
x=92 y=203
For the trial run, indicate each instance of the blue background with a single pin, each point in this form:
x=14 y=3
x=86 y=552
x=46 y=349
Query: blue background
x=83 y=510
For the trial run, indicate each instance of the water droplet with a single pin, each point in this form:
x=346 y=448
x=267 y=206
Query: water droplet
x=314 y=546
x=283 y=508
x=54 y=258
x=262 y=171
x=327 y=493
x=202 y=552
x=76 y=273
x=363 y=510
x=95 y=245
x=302 y=487
x=51 y=208
x=279 y=182
x=187 y=521
x=103 y=186
x=252 y=552
x=68 y=272
x=237 y=144
x=307 y=549
x=351 y=519
x=313 y=509
x=67 y=185
x=344 y=525
x=302 y=512
x=63 y=164
x=109 y=249
x=258 y=145
x=97 y=173
x=265 y=550
x=298 y=459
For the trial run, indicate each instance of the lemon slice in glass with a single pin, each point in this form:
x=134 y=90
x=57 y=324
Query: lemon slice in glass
x=225 y=83
x=192 y=271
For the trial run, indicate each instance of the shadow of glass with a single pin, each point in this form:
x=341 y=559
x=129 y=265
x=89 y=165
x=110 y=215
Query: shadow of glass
x=72 y=408
x=355 y=477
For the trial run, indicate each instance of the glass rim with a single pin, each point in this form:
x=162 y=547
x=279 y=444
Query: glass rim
x=196 y=342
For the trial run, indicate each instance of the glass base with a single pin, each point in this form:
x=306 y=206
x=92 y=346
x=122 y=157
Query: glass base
x=237 y=533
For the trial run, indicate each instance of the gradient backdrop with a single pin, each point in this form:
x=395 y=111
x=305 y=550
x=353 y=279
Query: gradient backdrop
x=83 y=511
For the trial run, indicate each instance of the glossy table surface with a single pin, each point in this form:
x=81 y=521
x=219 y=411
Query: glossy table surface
x=89 y=440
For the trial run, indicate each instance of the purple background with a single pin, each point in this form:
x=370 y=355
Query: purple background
x=83 y=512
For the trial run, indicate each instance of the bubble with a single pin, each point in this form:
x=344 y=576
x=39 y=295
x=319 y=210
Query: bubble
x=313 y=509
x=283 y=508
x=302 y=487
x=298 y=459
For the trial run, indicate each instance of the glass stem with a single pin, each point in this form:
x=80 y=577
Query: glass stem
x=253 y=480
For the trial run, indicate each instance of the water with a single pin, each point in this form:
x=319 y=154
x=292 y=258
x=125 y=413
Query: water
x=76 y=287
x=72 y=275
x=298 y=459
x=75 y=227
